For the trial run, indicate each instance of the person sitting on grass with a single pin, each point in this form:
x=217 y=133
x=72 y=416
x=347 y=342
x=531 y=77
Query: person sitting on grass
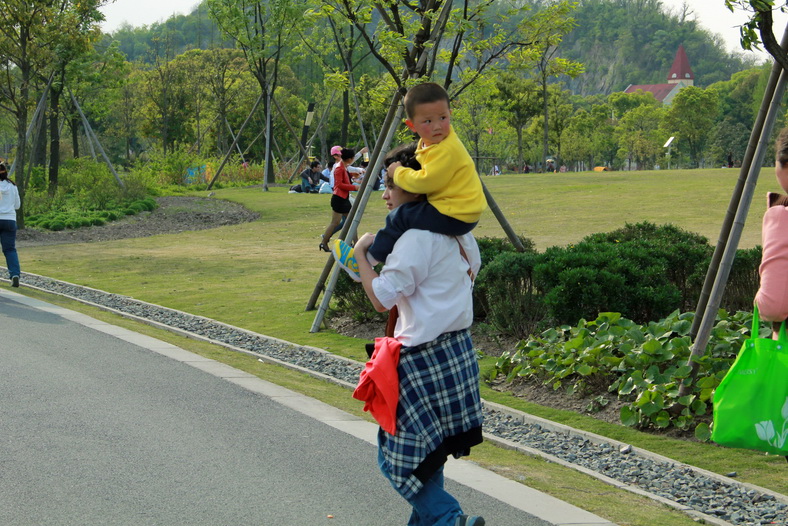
x=310 y=178
x=429 y=278
x=448 y=177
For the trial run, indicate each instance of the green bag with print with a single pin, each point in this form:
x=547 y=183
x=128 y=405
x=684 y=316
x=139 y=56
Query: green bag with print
x=751 y=402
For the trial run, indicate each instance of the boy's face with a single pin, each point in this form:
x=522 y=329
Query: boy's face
x=431 y=121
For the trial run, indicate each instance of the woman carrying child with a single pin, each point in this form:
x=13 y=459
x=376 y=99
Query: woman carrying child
x=429 y=278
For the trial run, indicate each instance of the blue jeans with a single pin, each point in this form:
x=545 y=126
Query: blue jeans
x=433 y=505
x=8 y=242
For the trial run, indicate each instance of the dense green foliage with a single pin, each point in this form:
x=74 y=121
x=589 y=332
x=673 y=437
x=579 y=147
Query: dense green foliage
x=644 y=271
x=87 y=195
x=642 y=365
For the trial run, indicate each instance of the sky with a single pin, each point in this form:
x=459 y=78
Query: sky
x=714 y=16
x=711 y=14
x=143 y=12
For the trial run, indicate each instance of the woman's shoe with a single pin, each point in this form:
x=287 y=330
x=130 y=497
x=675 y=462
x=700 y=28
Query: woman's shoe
x=324 y=248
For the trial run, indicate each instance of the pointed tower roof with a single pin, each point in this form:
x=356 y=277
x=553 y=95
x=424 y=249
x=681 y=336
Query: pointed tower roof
x=680 y=70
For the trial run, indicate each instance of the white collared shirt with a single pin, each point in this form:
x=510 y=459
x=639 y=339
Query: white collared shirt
x=9 y=201
x=427 y=278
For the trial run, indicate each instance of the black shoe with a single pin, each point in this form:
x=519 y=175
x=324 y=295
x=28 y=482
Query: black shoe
x=14 y=281
x=324 y=248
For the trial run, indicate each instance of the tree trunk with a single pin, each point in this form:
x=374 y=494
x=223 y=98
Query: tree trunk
x=520 y=154
x=545 y=135
x=75 y=135
x=39 y=153
x=54 y=140
x=345 y=118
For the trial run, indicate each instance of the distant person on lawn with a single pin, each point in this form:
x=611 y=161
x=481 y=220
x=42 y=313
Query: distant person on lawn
x=9 y=204
x=340 y=200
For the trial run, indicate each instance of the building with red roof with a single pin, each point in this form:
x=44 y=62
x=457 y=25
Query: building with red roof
x=679 y=76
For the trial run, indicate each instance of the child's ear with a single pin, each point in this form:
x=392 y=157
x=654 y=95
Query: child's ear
x=409 y=124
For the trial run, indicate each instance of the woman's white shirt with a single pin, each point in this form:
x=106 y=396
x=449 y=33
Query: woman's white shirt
x=427 y=278
x=9 y=201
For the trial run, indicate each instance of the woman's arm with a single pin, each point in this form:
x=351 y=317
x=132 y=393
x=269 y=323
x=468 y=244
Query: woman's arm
x=366 y=271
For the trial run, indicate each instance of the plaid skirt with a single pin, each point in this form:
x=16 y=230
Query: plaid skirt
x=439 y=412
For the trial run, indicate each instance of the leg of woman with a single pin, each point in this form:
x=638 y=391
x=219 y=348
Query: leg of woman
x=8 y=242
x=336 y=217
x=340 y=225
x=433 y=505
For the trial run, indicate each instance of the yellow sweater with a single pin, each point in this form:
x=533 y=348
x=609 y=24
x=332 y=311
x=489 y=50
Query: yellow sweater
x=448 y=177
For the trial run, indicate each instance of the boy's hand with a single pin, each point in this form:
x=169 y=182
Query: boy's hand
x=364 y=242
x=392 y=168
x=363 y=150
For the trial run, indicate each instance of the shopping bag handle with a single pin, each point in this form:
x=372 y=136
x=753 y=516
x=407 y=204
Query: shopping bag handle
x=756 y=327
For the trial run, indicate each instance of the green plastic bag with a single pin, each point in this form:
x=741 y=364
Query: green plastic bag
x=751 y=402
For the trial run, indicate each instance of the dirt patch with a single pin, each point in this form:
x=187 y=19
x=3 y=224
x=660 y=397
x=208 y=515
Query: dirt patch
x=602 y=407
x=174 y=214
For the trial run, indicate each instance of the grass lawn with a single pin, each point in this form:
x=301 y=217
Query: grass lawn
x=260 y=275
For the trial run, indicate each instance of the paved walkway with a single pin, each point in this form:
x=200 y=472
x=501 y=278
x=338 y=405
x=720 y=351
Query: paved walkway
x=101 y=425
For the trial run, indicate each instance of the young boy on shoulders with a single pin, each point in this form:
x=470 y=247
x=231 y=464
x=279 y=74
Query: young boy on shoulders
x=448 y=177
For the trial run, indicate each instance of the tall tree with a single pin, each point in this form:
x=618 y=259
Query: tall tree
x=78 y=32
x=545 y=31
x=30 y=33
x=262 y=29
x=521 y=102
x=169 y=96
x=691 y=118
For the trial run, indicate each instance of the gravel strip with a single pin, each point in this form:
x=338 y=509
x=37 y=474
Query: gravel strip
x=726 y=501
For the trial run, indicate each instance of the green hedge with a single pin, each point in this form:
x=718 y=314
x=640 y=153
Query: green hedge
x=642 y=270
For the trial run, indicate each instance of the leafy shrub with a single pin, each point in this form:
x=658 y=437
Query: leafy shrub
x=583 y=280
x=507 y=293
x=490 y=247
x=643 y=270
x=743 y=281
x=645 y=365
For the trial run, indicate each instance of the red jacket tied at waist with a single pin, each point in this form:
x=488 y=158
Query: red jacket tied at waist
x=378 y=384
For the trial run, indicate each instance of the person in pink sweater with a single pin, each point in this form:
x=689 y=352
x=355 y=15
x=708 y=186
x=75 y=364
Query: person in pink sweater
x=772 y=296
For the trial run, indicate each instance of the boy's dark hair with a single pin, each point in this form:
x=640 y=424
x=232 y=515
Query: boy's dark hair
x=423 y=94
x=404 y=154
x=347 y=153
x=314 y=164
